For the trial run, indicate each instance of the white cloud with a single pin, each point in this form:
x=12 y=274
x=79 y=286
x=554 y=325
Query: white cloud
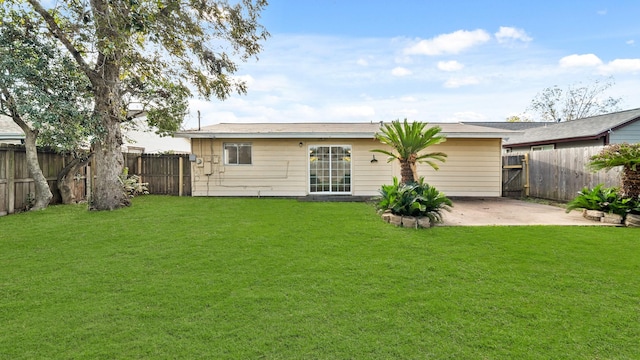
x=468 y=116
x=352 y=111
x=631 y=42
x=452 y=43
x=511 y=34
x=580 y=61
x=602 y=12
x=400 y=71
x=459 y=82
x=362 y=62
x=622 y=66
x=408 y=99
x=449 y=65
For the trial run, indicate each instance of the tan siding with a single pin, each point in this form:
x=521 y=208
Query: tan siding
x=280 y=168
x=367 y=176
x=473 y=168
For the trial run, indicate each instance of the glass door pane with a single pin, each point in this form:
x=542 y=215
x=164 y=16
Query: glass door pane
x=330 y=169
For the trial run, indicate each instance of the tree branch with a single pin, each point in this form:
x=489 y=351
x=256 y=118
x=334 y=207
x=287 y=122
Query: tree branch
x=60 y=35
x=13 y=112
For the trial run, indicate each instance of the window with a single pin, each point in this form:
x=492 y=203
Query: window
x=237 y=154
x=542 y=147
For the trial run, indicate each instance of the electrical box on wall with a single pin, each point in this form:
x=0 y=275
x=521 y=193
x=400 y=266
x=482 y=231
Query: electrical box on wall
x=199 y=162
x=207 y=168
x=216 y=159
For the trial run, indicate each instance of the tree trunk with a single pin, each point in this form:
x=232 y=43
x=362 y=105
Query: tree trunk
x=43 y=194
x=108 y=193
x=630 y=183
x=66 y=178
x=406 y=172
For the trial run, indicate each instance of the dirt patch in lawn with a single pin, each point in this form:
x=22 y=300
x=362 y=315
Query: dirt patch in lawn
x=505 y=211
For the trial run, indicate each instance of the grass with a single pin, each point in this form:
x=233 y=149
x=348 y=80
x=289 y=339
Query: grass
x=277 y=279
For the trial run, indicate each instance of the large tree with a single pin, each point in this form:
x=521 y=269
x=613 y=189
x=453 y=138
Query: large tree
x=408 y=140
x=151 y=52
x=42 y=91
x=578 y=101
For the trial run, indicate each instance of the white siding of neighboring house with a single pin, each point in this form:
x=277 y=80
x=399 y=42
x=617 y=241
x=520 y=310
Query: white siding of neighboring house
x=629 y=134
x=280 y=168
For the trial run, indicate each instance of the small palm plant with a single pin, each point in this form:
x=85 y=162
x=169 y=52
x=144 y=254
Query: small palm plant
x=627 y=156
x=414 y=199
x=408 y=140
x=601 y=198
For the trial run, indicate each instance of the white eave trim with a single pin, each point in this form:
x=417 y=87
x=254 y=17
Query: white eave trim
x=364 y=135
x=10 y=136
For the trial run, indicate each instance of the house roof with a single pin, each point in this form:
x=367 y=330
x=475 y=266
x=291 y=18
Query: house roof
x=588 y=128
x=9 y=130
x=515 y=126
x=327 y=130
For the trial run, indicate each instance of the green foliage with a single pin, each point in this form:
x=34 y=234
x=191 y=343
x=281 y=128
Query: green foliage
x=131 y=184
x=607 y=199
x=413 y=199
x=626 y=155
x=407 y=141
x=41 y=86
x=159 y=50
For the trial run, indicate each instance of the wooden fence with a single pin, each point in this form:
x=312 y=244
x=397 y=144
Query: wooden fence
x=165 y=174
x=16 y=184
x=559 y=174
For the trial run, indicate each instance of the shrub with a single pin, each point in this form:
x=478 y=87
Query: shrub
x=413 y=199
x=131 y=185
x=607 y=199
x=625 y=155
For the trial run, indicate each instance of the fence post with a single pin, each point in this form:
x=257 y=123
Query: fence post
x=525 y=172
x=140 y=168
x=11 y=180
x=180 y=174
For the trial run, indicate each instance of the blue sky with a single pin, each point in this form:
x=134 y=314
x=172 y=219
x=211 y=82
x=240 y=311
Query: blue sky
x=432 y=61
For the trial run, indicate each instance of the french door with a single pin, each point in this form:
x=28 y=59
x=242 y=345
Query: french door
x=330 y=169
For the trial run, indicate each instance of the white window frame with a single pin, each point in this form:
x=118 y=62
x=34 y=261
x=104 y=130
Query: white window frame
x=237 y=146
x=331 y=185
x=542 y=147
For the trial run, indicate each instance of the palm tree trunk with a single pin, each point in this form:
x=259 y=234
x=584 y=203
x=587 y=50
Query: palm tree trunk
x=630 y=183
x=407 y=174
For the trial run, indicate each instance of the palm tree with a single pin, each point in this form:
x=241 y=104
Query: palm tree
x=627 y=156
x=408 y=140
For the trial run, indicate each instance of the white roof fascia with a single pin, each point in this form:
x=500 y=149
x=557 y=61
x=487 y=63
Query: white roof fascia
x=363 y=135
x=11 y=136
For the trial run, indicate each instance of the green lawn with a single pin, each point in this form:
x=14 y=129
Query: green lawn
x=193 y=278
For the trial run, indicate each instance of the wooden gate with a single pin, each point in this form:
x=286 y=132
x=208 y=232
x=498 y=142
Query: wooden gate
x=515 y=170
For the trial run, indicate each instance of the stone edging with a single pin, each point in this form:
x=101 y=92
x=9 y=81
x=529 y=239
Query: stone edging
x=631 y=220
x=420 y=222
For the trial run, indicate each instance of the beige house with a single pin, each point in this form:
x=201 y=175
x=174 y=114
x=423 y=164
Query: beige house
x=315 y=159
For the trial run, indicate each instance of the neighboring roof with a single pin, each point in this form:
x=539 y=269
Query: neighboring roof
x=327 y=130
x=514 y=126
x=9 y=130
x=588 y=128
